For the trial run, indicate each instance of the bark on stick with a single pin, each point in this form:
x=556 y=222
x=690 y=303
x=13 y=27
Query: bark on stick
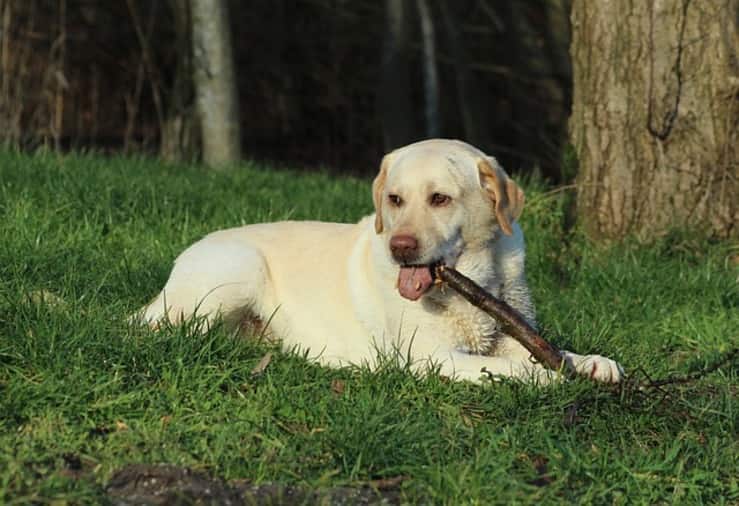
x=514 y=324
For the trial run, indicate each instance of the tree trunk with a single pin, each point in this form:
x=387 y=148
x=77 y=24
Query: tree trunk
x=470 y=102
x=215 y=82
x=180 y=129
x=430 y=76
x=655 y=116
x=395 y=100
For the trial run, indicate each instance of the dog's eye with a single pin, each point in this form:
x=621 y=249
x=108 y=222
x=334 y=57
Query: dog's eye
x=395 y=200
x=439 y=199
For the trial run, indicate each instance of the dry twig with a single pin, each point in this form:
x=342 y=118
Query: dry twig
x=541 y=349
x=513 y=322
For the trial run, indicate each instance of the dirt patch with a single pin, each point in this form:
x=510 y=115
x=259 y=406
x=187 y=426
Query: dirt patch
x=142 y=484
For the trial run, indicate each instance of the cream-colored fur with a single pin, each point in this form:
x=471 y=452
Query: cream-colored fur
x=331 y=289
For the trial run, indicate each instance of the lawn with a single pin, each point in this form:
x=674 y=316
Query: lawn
x=86 y=240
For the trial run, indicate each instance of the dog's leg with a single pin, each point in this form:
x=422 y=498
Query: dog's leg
x=470 y=367
x=210 y=279
x=596 y=367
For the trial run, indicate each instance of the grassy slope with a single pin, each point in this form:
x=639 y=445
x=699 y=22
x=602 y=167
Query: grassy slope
x=102 y=234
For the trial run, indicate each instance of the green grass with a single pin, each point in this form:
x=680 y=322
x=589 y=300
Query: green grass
x=76 y=380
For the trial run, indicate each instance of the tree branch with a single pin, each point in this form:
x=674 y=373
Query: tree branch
x=513 y=323
x=544 y=352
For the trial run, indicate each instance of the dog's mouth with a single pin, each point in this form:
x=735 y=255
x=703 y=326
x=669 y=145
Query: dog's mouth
x=415 y=280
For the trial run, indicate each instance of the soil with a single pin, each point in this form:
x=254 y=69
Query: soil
x=142 y=484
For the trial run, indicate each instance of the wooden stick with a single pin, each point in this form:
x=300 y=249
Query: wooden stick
x=513 y=323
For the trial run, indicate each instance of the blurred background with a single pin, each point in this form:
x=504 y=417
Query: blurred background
x=331 y=83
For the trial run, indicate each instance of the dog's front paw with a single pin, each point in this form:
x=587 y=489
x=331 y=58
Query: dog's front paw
x=595 y=367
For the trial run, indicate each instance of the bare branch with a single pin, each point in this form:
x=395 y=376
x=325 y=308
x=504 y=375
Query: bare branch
x=514 y=323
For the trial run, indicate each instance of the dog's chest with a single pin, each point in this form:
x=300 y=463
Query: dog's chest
x=460 y=324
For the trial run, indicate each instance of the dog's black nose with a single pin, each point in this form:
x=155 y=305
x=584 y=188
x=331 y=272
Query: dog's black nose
x=404 y=248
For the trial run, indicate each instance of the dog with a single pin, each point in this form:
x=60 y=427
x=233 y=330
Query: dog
x=344 y=292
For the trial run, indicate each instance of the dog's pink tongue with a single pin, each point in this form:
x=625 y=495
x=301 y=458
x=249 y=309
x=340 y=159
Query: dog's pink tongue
x=413 y=281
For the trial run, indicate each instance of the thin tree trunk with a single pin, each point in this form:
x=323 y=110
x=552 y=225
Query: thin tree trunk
x=655 y=116
x=394 y=100
x=215 y=82
x=470 y=101
x=430 y=75
x=57 y=127
x=179 y=133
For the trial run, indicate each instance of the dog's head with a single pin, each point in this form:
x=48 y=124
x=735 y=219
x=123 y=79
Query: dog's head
x=436 y=199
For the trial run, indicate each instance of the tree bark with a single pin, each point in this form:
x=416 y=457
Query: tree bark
x=180 y=129
x=395 y=99
x=655 y=116
x=215 y=82
x=470 y=101
x=430 y=75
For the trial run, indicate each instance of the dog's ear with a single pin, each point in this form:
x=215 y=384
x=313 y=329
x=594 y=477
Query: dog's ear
x=378 y=186
x=506 y=196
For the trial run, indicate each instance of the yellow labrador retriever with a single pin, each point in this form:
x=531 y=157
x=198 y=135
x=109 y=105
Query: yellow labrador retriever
x=344 y=291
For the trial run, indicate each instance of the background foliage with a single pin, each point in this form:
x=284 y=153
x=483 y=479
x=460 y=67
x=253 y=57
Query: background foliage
x=115 y=75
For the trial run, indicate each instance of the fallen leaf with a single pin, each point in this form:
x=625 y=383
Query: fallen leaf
x=337 y=386
x=121 y=426
x=262 y=365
